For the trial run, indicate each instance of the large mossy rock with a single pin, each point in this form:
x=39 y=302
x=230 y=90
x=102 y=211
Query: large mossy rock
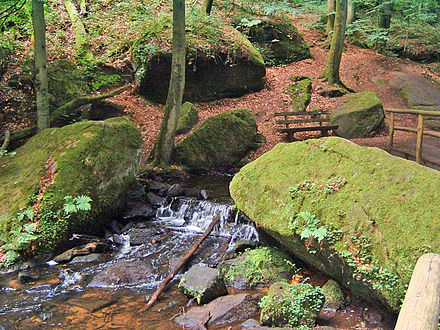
x=358 y=214
x=220 y=61
x=300 y=92
x=275 y=37
x=359 y=116
x=188 y=118
x=95 y=159
x=219 y=143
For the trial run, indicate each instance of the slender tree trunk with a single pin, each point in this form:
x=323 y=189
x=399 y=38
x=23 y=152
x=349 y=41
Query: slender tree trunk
x=385 y=16
x=207 y=6
x=41 y=90
x=165 y=141
x=81 y=35
x=331 y=71
x=331 y=7
x=351 y=12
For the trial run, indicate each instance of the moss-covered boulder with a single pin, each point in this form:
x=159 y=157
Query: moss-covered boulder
x=295 y=306
x=220 y=61
x=45 y=184
x=359 y=116
x=358 y=214
x=219 y=143
x=188 y=118
x=300 y=92
x=259 y=267
x=334 y=297
x=277 y=39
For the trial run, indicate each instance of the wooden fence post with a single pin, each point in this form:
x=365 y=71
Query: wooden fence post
x=421 y=308
x=392 y=120
x=419 y=138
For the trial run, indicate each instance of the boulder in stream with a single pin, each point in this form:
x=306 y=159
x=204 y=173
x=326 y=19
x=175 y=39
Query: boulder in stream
x=202 y=283
x=60 y=173
x=358 y=214
x=220 y=142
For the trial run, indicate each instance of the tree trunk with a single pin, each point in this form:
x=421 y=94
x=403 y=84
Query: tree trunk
x=165 y=141
x=331 y=6
x=41 y=90
x=385 y=16
x=351 y=12
x=331 y=71
x=207 y=6
x=81 y=35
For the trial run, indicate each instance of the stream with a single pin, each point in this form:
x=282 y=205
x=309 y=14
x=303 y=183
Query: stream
x=109 y=290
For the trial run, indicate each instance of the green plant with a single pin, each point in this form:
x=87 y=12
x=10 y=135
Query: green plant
x=74 y=205
x=4 y=152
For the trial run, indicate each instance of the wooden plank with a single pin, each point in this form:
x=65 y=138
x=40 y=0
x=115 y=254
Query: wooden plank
x=306 y=129
x=415 y=112
x=414 y=130
x=391 y=136
x=421 y=307
x=419 y=138
x=302 y=113
x=298 y=121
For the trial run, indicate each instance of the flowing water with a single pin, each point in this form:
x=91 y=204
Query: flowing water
x=109 y=290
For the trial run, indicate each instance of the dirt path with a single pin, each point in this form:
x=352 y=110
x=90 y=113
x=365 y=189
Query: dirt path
x=361 y=70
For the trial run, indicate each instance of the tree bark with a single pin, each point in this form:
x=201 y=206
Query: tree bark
x=331 y=71
x=207 y=6
x=165 y=141
x=331 y=7
x=81 y=35
x=41 y=89
x=351 y=12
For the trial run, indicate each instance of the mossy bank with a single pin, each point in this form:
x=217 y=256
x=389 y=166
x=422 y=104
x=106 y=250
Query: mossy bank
x=94 y=159
x=358 y=214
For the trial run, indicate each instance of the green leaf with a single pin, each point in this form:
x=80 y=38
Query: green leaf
x=70 y=208
x=83 y=203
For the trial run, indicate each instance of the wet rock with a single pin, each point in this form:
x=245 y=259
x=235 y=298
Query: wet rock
x=167 y=307
x=124 y=273
x=159 y=188
x=334 y=298
x=175 y=190
x=223 y=310
x=372 y=317
x=137 y=191
x=255 y=268
x=252 y=324
x=82 y=250
x=202 y=283
x=118 y=239
x=240 y=247
x=295 y=305
x=26 y=277
x=87 y=258
x=84 y=239
x=138 y=211
x=140 y=236
x=154 y=199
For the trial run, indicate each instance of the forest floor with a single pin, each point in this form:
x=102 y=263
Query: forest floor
x=361 y=70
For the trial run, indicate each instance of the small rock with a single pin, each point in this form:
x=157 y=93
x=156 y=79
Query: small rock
x=154 y=199
x=372 y=317
x=204 y=194
x=140 y=236
x=88 y=258
x=26 y=277
x=82 y=250
x=224 y=310
x=158 y=187
x=202 y=283
x=137 y=191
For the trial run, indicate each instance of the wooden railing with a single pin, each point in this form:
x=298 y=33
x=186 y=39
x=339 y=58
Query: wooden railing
x=420 y=131
x=421 y=307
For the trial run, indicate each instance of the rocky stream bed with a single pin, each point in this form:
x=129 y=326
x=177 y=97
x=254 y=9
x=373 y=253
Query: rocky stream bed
x=109 y=289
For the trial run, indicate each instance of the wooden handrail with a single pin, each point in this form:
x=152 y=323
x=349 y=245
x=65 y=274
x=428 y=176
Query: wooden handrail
x=420 y=131
x=421 y=307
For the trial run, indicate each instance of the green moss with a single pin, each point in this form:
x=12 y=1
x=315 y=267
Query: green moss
x=300 y=93
x=334 y=298
x=97 y=159
x=295 y=305
x=221 y=141
x=188 y=118
x=359 y=116
x=388 y=199
x=261 y=266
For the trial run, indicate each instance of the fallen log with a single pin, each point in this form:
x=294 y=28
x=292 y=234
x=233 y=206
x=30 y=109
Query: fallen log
x=421 y=307
x=182 y=262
